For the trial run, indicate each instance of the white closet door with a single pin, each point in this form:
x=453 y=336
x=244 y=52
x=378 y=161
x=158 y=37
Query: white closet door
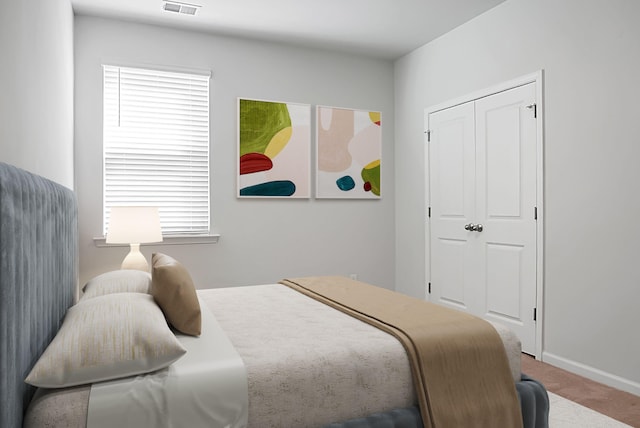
x=505 y=206
x=453 y=205
x=482 y=178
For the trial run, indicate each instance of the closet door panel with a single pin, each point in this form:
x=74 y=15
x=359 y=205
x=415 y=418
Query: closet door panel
x=452 y=190
x=505 y=206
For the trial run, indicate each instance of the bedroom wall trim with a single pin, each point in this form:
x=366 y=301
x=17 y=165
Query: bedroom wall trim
x=213 y=238
x=598 y=375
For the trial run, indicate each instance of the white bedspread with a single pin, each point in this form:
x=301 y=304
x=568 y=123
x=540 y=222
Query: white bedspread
x=207 y=387
x=308 y=364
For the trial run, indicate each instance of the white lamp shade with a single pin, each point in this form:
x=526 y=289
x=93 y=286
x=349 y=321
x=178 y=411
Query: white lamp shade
x=134 y=225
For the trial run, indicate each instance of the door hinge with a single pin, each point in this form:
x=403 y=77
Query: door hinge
x=535 y=213
x=428 y=132
x=534 y=107
x=429 y=288
x=535 y=314
x=429 y=212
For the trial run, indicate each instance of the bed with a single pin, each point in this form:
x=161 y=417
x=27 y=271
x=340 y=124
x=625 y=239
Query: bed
x=38 y=279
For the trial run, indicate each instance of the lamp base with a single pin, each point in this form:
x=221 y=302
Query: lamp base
x=135 y=260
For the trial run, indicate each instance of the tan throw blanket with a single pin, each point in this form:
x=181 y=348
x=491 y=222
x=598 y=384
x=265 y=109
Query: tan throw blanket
x=460 y=368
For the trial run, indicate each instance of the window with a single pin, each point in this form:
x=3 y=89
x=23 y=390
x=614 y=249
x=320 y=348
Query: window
x=156 y=145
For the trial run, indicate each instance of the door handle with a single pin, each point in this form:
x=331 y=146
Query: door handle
x=477 y=228
x=473 y=227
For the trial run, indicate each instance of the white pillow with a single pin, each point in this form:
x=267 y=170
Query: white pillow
x=107 y=337
x=118 y=281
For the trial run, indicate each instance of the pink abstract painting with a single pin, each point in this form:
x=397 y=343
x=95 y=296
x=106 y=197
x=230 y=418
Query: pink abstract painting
x=349 y=148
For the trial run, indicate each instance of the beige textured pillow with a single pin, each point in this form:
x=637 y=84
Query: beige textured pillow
x=175 y=293
x=107 y=337
x=118 y=281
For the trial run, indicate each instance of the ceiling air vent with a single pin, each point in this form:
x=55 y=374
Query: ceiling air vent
x=178 y=7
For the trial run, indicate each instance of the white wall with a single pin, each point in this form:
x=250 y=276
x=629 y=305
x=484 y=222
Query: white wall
x=261 y=240
x=591 y=58
x=36 y=87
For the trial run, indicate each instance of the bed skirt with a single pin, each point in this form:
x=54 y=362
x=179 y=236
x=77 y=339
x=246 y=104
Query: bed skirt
x=534 y=403
x=533 y=397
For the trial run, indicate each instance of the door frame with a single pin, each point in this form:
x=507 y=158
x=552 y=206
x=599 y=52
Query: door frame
x=537 y=78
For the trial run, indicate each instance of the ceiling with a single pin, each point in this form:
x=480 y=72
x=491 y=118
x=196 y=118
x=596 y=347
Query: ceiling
x=384 y=29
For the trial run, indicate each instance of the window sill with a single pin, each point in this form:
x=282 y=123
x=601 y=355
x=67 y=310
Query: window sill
x=213 y=238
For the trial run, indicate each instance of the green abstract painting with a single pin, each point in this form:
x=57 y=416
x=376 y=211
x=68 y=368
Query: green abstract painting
x=274 y=141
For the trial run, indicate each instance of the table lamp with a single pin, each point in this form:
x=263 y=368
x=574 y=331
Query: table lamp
x=134 y=226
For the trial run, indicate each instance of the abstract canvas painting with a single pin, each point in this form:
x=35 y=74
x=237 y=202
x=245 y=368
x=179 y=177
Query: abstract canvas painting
x=349 y=148
x=274 y=142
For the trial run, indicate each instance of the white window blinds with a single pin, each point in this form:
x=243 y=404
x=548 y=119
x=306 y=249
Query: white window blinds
x=156 y=145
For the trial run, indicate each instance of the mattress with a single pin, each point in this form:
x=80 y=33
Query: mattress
x=307 y=364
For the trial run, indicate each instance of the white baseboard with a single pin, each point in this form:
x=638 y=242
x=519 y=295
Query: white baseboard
x=592 y=373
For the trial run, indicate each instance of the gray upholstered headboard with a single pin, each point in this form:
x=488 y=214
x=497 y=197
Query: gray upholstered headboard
x=38 y=276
